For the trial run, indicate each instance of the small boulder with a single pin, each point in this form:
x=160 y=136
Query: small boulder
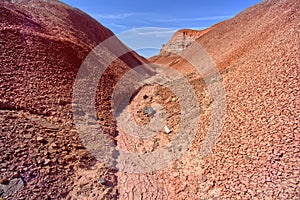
x=102 y=181
x=12 y=187
x=167 y=130
x=149 y=111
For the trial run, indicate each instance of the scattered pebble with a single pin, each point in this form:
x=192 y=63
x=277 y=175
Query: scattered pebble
x=149 y=111
x=47 y=161
x=167 y=130
x=102 y=181
x=4 y=181
x=41 y=139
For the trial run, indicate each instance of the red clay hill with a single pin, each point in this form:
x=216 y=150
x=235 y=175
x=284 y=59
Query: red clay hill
x=43 y=44
x=256 y=156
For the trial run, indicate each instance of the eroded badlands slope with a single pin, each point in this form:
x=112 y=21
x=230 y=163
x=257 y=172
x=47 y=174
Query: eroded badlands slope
x=257 y=154
x=43 y=44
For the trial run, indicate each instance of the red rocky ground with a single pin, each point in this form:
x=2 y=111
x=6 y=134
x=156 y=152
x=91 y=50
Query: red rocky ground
x=43 y=44
x=257 y=155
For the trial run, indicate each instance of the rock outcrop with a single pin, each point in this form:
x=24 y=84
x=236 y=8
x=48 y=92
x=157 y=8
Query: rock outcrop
x=182 y=39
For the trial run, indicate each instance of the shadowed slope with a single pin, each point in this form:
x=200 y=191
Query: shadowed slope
x=43 y=44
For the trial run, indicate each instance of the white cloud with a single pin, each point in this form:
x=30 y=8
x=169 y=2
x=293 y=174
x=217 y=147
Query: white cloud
x=113 y=16
x=151 y=32
x=198 y=28
x=115 y=25
x=209 y=18
x=141 y=39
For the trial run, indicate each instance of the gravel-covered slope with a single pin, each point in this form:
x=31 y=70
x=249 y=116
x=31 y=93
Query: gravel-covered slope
x=257 y=155
x=42 y=45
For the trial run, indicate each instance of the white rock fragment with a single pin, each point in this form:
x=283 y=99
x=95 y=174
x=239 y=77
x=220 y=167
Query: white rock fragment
x=167 y=130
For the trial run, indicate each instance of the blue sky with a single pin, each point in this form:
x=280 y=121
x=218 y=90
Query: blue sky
x=145 y=25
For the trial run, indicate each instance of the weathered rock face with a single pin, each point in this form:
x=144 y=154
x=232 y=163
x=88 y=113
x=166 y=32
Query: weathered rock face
x=182 y=39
